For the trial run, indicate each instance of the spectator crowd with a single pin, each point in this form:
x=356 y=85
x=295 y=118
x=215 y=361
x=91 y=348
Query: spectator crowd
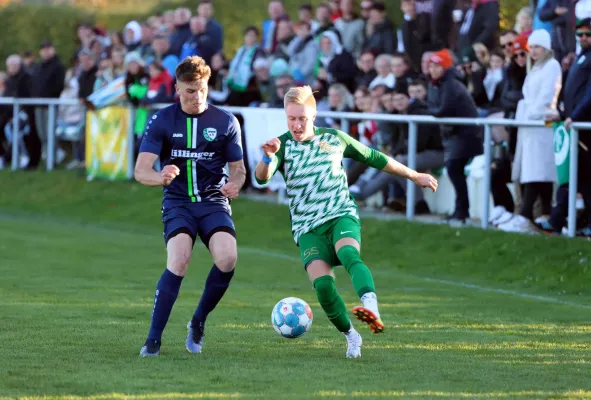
x=447 y=58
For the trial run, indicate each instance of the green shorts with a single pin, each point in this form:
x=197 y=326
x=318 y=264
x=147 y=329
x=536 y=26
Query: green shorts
x=319 y=243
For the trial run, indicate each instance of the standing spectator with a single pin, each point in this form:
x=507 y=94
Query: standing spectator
x=366 y=72
x=306 y=14
x=460 y=143
x=47 y=82
x=145 y=49
x=385 y=76
x=285 y=36
x=339 y=99
x=577 y=108
x=442 y=24
x=276 y=12
x=351 y=28
x=506 y=39
x=335 y=10
x=561 y=14
x=213 y=28
x=182 y=30
x=480 y=25
x=524 y=21
x=303 y=52
x=29 y=62
x=383 y=38
x=199 y=43
x=133 y=35
x=163 y=53
x=241 y=79
x=323 y=13
x=416 y=30
x=19 y=85
x=534 y=167
x=160 y=85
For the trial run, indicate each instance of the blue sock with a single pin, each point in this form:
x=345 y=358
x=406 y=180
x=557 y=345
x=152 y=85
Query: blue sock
x=215 y=286
x=166 y=294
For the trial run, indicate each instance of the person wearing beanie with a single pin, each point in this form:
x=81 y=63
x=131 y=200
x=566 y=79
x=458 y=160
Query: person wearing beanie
x=460 y=143
x=534 y=166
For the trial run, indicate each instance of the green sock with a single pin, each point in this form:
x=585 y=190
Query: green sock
x=360 y=275
x=332 y=303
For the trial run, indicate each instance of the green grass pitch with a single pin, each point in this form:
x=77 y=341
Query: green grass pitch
x=468 y=313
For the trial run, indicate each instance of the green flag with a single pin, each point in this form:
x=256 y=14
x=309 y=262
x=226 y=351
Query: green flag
x=562 y=138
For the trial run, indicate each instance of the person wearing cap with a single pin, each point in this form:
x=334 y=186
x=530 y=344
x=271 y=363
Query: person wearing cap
x=512 y=92
x=48 y=79
x=534 y=166
x=577 y=107
x=460 y=143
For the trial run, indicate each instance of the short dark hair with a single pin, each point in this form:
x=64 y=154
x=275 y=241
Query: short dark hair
x=252 y=28
x=307 y=7
x=378 y=6
x=418 y=82
x=323 y=5
x=508 y=31
x=205 y=2
x=192 y=69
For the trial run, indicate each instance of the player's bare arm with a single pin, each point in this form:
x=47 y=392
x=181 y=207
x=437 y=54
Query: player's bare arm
x=144 y=171
x=236 y=181
x=393 y=167
x=264 y=171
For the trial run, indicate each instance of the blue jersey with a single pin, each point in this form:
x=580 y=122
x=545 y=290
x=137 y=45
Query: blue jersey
x=200 y=146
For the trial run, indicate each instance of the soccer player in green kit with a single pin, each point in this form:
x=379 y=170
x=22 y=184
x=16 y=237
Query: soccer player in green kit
x=324 y=217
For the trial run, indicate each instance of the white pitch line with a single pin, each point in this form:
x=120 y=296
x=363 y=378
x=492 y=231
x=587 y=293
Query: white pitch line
x=478 y=288
x=285 y=257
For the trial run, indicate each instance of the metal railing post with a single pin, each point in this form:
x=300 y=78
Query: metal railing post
x=572 y=182
x=412 y=164
x=15 y=136
x=131 y=143
x=486 y=182
x=51 y=137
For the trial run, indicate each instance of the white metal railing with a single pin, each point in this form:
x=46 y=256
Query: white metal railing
x=411 y=120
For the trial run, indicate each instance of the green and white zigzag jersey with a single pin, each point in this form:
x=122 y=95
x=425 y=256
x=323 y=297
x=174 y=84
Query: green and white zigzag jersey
x=315 y=178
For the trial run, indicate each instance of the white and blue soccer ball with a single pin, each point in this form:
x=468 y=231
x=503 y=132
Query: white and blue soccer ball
x=291 y=317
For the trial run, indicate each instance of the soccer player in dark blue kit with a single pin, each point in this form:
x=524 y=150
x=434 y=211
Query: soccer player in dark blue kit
x=194 y=141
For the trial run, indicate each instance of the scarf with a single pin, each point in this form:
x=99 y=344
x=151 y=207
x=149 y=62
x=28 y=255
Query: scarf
x=241 y=69
x=491 y=80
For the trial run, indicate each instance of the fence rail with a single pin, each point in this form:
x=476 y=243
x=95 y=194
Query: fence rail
x=411 y=120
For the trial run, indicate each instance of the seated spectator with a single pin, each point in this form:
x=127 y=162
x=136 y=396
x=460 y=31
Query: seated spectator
x=366 y=72
x=417 y=90
x=429 y=153
x=164 y=53
x=323 y=14
x=199 y=43
x=241 y=80
x=305 y=14
x=402 y=69
x=365 y=129
x=460 y=143
x=262 y=74
x=132 y=35
x=136 y=76
x=118 y=61
x=487 y=92
x=383 y=37
x=524 y=21
x=534 y=167
x=303 y=51
x=385 y=76
x=104 y=74
x=282 y=84
x=160 y=85
x=218 y=84
x=506 y=39
x=335 y=64
x=339 y=99
x=285 y=35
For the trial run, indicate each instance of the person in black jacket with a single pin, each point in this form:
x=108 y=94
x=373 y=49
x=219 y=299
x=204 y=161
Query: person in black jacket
x=19 y=85
x=577 y=108
x=383 y=37
x=48 y=82
x=429 y=152
x=460 y=143
x=561 y=14
x=336 y=64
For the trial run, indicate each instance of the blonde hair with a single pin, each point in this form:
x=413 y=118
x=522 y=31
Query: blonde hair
x=302 y=95
x=525 y=11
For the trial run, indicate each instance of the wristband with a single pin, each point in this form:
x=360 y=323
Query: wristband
x=268 y=160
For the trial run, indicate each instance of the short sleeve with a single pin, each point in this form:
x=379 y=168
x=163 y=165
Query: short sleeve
x=154 y=135
x=234 y=141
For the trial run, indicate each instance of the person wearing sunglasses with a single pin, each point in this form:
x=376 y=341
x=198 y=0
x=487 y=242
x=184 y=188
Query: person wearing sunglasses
x=577 y=107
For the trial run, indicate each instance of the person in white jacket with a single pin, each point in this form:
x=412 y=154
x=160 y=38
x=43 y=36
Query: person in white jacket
x=534 y=166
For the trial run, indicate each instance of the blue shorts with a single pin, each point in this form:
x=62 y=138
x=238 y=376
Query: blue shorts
x=194 y=222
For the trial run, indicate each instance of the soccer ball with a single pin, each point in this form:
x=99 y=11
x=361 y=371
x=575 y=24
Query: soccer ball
x=291 y=317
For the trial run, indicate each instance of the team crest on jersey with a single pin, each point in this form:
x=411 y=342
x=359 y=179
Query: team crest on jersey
x=210 y=134
x=324 y=146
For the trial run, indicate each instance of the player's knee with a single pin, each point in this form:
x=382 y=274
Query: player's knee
x=349 y=256
x=179 y=263
x=325 y=288
x=226 y=262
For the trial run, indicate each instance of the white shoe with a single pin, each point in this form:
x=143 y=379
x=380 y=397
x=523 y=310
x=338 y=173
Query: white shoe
x=542 y=219
x=503 y=219
x=496 y=213
x=518 y=224
x=354 y=343
x=60 y=155
x=370 y=301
